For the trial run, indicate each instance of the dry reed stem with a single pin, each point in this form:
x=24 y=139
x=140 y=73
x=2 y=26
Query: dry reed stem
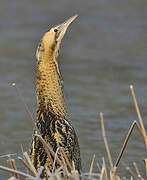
x=102 y=172
x=39 y=172
x=8 y=155
x=27 y=166
x=9 y=170
x=118 y=178
x=91 y=166
x=98 y=166
x=124 y=145
x=12 y=178
x=14 y=167
x=137 y=171
x=145 y=162
x=25 y=106
x=129 y=170
x=66 y=159
x=105 y=140
x=59 y=169
x=48 y=171
x=73 y=166
x=48 y=149
x=131 y=178
x=75 y=175
x=140 y=130
x=9 y=162
x=56 y=154
x=64 y=167
x=22 y=150
x=138 y=114
x=105 y=173
x=112 y=174
x=74 y=172
x=55 y=177
x=30 y=162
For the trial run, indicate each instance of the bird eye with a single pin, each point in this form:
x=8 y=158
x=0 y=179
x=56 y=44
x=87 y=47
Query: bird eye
x=55 y=30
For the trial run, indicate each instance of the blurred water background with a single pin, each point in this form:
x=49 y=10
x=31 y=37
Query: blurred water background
x=103 y=52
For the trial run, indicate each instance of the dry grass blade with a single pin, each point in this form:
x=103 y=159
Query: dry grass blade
x=105 y=140
x=74 y=172
x=47 y=171
x=65 y=167
x=8 y=155
x=138 y=114
x=140 y=130
x=30 y=163
x=118 y=178
x=9 y=170
x=66 y=159
x=112 y=174
x=105 y=173
x=56 y=154
x=25 y=106
x=14 y=167
x=98 y=165
x=9 y=162
x=129 y=170
x=39 y=172
x=137 y=171
x=73 y=166
x=59 y=170
x=102 y=172
x=12 y=178
x=75 y=175
x=145 y=162
x=22 y=150
x=124 y=144
x=27 y=166
x=91 y=166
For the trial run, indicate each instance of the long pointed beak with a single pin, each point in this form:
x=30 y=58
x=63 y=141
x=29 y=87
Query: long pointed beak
x=63 y=27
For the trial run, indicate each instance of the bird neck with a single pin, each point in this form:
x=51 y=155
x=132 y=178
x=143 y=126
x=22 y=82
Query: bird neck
x=49 y=92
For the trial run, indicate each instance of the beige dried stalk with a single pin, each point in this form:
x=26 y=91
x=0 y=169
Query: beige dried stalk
x=105 y=172
x=138 y=114
x=91 y=166
x=27 y=166
x=145 y=163
x=66 y=159
x=137 y=171
x=30 y=163
x=9 y=170
x=105 y=140
x=124 y=144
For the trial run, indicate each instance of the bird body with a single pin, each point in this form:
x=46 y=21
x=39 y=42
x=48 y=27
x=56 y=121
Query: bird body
x=51 y=117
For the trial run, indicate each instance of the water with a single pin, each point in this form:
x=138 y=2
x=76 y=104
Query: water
x=104 y=51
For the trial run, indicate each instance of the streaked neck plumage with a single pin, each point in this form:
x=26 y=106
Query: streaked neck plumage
x=48 y=85
x=48 y=79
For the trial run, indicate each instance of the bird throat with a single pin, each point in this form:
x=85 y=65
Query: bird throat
x=49 y=90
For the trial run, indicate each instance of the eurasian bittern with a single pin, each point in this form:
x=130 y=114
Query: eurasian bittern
x=52 y=119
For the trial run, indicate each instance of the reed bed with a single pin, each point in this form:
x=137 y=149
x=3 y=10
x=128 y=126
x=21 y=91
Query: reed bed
x=65 y=169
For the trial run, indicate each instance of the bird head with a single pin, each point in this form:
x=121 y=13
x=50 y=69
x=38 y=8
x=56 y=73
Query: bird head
x=51 y=41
